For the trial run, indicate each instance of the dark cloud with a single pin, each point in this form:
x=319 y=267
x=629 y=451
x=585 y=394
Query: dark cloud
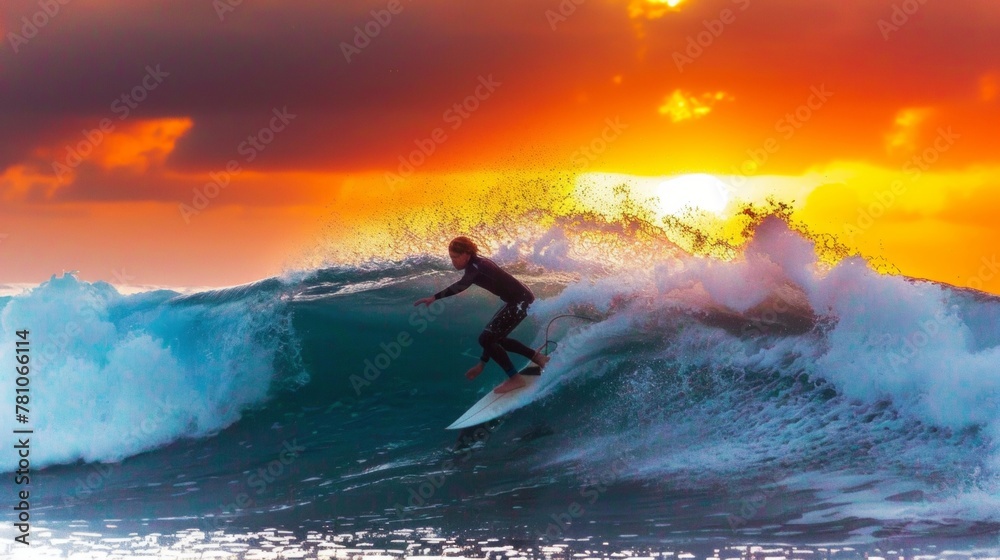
x=93 y=184
x=228 y=75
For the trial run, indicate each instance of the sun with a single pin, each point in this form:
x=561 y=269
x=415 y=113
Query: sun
x=697 y=191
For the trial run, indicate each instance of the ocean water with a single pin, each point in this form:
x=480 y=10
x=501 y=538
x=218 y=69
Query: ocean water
x=767 y=405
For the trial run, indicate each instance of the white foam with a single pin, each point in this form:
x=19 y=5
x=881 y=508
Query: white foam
x=114 y=375
x=929 y=351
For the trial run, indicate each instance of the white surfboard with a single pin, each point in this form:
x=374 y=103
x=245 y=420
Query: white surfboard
x=494 y=405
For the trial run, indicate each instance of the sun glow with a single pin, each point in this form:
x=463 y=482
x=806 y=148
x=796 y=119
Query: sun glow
x=697 y=192
x=652 y=9
x=664 y=196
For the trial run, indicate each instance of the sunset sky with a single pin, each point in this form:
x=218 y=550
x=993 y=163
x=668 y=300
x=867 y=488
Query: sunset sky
x=872 y=118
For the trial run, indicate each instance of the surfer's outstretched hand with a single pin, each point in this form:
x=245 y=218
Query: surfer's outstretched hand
x=474 y=371
x=425 y=301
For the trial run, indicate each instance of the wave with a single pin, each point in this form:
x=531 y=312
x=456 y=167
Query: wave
x=112 y=376
x=770 y=367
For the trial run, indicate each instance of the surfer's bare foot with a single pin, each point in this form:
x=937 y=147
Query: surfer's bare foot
x=515 y=382
x=540 y=359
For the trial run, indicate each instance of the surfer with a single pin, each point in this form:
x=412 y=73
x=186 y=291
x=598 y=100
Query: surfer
x=516 y=297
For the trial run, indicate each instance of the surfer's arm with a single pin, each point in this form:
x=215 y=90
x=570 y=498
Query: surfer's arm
x=460 y=286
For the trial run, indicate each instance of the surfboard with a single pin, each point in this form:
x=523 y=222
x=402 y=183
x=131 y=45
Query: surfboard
x=493 y=406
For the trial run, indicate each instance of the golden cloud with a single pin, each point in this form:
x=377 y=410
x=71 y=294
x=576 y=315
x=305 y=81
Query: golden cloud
x=906 y=129
x=683 y=106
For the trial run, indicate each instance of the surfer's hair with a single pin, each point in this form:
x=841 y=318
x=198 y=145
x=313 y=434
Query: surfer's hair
x=463 y=245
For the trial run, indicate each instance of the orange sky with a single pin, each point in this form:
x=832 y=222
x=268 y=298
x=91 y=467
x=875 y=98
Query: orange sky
x=875 y=119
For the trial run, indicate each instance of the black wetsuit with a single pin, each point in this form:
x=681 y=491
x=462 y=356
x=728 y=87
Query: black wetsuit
x=516 y=296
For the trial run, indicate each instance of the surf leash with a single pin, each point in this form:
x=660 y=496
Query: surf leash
x=545 y=347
